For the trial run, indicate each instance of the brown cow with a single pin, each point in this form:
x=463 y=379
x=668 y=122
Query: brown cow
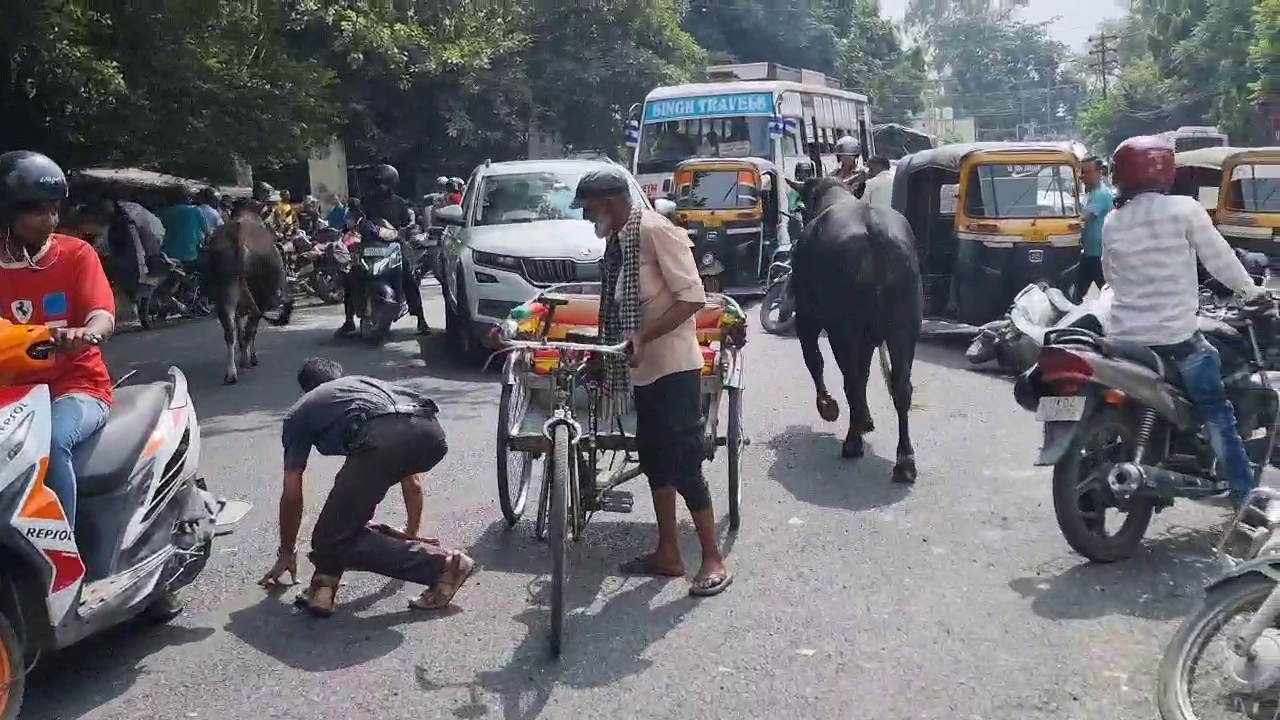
x=246 y=277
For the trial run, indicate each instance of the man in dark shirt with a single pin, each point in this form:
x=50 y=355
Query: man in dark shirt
x=389 y=435
x=383 y=204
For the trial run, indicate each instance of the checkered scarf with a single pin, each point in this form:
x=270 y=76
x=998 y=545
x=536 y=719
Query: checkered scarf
x=619 y=311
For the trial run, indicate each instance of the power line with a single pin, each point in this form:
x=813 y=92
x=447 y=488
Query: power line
x=1100 y=47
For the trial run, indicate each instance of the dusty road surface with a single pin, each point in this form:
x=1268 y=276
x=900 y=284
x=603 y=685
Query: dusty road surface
x=853 y=598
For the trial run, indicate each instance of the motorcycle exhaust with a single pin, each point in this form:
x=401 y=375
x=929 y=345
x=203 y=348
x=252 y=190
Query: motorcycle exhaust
x=1126 y=478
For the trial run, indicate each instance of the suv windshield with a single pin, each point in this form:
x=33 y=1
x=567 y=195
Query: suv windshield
x=529 y=197
x=1021 y=191
x=1255 y=188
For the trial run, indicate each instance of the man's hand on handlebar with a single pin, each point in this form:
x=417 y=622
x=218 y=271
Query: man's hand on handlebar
x=75 y=339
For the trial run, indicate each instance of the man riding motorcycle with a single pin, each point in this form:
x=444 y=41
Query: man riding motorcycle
x=1150 y=245
x=848 y=152
x=383 y=204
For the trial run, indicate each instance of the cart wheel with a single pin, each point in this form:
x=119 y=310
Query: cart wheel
x=736 y=441
x=558 y=531
x=513 y=465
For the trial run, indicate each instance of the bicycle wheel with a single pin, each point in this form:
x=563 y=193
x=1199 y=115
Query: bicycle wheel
x=735 y=440
x=558 y=531
x=513 y=465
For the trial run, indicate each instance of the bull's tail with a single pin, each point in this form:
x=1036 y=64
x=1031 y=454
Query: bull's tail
x=885 y=369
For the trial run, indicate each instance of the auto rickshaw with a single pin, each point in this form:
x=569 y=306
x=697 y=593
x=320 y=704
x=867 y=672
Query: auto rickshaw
x=990 y=219
x=1240 y=187
x=730 y=208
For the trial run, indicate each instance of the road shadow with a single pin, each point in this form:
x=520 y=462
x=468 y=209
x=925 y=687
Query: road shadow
x=808 y=465
x=600 y=648
x=101 y=669
x=291 y=636
x=264 y=393
x=1161 y=582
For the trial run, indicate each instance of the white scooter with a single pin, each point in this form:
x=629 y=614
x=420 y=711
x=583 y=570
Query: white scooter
x=1014 y=341
x=145 y=521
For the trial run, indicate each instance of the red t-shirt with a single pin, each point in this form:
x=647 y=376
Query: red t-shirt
x=454 y=198
x=69 y=288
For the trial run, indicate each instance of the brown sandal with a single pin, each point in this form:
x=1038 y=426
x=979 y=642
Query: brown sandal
x=321 y=596
x=458 y=569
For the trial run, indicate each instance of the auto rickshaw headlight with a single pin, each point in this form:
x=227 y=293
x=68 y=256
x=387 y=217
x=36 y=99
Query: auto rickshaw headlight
x=708 y=259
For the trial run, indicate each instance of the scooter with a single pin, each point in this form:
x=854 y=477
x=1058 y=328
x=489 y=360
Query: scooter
x=377 y=267
x=145 y=521
x=779 y=297
x=1014 y=341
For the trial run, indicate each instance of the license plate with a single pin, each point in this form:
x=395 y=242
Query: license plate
x=1060 y=409
x=375 y=251
x=1035 y=256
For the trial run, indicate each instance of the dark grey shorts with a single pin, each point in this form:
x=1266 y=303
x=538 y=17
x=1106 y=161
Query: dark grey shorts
x=669 y=429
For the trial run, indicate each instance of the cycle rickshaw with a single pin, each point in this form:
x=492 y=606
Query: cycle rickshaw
x=548 y=413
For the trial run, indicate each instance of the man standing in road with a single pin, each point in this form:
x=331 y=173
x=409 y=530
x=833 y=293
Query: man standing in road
x=185 y=229
x=650 y=293
x=389 y=435
x=1097 y=205
x=879 y=188
x=848 y=153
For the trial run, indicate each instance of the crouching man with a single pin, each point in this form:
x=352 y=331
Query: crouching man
x=389 y=435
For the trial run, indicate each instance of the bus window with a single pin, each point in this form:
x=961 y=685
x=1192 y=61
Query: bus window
x=790 y=144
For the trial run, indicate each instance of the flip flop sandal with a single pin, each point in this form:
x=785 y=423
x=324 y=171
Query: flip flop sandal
x=322 y=596
x=462 y=568
x=709 y=588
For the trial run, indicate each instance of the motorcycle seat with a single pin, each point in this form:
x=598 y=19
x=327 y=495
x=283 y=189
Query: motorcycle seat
x=103 y=461
x=1144 y=356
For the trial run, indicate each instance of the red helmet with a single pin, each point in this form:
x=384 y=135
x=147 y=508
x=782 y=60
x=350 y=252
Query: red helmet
x=1143 y=163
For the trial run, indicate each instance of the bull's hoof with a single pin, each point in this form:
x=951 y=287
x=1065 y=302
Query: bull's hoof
x=253 y=360
x=868 y=425
x=229 y=380
x=904 y=471
x=852 y=447
x=828 y=408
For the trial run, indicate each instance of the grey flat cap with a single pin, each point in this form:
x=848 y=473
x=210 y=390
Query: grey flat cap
x=605 y=182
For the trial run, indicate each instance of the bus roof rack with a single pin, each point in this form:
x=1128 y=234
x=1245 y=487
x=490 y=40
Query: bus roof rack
x=769 y=71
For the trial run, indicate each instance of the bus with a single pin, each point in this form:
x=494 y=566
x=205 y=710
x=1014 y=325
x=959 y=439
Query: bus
x=1195 y=137
x=732 y=114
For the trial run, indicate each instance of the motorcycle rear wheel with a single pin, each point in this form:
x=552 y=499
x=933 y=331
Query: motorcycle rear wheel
x=775 y=296
x=1081 y=507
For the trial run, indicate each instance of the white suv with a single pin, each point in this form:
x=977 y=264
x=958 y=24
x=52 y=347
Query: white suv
x=514 y=234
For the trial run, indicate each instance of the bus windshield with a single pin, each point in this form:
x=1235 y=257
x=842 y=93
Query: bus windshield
x=1021 y=191
x=1182 y=143
x=664 y=144
x=1255 y=189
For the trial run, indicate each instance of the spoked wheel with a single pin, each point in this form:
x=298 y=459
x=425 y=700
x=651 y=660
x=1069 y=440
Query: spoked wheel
x=515 y=468
x=558 y=535
x=736 y=442
x=1202 y=678
x=1082 y=498
x=12 y=671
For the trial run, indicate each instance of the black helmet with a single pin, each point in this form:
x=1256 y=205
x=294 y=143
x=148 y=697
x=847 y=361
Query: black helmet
x=602 y=183
x=386 y=177
x=29 y=177
x=805 y=169
x=262 y=191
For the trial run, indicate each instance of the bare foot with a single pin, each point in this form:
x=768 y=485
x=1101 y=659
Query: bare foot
x=653 y=565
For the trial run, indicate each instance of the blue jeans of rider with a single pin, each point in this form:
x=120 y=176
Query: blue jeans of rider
x=76 y=416
x=1201 y=372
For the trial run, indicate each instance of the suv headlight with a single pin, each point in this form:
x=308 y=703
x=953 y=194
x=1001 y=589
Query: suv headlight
x=494 y=260
x=11 y=444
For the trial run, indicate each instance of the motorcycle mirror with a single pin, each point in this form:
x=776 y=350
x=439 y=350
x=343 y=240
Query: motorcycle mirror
x=664 y=207
x=230 y=512
x=450 y=215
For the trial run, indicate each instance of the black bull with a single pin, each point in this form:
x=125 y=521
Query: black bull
x=246 y=276
x=856 y=276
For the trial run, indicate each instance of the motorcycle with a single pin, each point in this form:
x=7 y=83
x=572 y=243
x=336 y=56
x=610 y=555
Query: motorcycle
x=145 y=524
x=779 y=297
x=1245 y=663
x=172 y=291
x=1015 y=340
x=324 y=266
x=1121 y=434
x=377 y=263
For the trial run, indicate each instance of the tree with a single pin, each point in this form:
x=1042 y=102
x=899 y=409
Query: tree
x=1140 y=99
x=1264 y=51
x=871 y=59
x=787 y=33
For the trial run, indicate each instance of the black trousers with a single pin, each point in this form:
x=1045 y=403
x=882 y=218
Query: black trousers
x=1088 y=273
x=390 y=448
x=669 y=436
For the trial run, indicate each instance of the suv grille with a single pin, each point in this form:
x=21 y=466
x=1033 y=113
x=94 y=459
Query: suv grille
x=551 y=272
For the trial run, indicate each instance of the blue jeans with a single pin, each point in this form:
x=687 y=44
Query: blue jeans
x=76 y=416
x=1202 y=379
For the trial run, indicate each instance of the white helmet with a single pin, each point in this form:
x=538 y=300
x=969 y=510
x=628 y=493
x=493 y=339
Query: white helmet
x=442 y=181
x=848 y=146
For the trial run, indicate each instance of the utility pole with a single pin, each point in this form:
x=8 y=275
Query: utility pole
x=1101 y=50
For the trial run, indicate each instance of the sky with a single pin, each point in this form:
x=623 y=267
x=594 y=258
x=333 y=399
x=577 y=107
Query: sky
x=1075 y=22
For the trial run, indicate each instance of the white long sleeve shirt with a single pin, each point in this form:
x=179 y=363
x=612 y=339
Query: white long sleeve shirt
x=1149 y=250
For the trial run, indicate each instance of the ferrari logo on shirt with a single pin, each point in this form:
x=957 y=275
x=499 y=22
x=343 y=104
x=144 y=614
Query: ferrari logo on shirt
x=22 y=310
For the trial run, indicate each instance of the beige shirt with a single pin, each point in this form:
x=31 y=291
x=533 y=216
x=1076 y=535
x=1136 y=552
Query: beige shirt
x=667 y=274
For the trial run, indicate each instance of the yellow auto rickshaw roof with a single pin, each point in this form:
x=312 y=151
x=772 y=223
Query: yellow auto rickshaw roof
x=950 y=157
x=760 y=163
x=1214 y=158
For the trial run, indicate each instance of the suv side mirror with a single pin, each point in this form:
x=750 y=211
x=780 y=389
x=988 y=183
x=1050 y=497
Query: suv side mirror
x=665 y=207
x=450 y=215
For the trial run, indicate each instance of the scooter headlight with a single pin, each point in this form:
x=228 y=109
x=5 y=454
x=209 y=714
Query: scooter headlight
x=11 y=444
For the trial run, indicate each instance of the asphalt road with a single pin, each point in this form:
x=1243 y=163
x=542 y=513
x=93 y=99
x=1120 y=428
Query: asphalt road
x=853 y=598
